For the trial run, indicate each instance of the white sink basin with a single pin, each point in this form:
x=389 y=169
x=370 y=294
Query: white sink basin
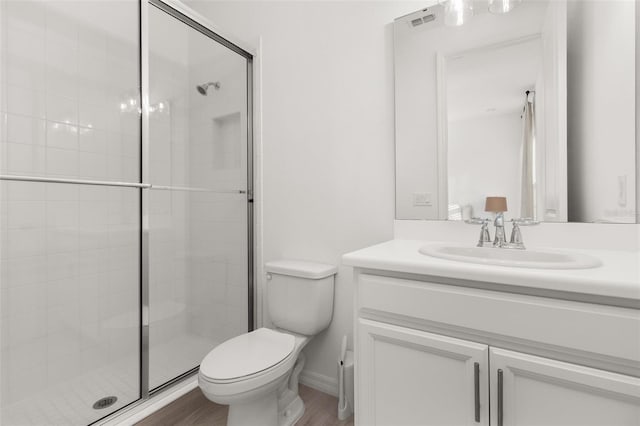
x=539 y=259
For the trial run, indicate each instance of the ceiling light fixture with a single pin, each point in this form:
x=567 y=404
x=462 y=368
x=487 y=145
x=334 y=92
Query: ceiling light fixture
x=457 y=12
x=502 y=6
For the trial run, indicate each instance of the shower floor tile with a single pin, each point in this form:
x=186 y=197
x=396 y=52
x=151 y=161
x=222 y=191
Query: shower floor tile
x=71 y=403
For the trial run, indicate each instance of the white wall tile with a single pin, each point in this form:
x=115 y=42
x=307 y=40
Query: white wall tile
x=25 y=129
x=92 y=114
x=25 y=43
x=62 y=214
x=26 y=214
x=93 y=140
x=25 y=242
x=25 y=271
x=62 y=240
x=62 y=265
x=62 y=109
x=26 y=299
x=25 y=101
x=26 y=159
x=93 y=166
x=25 y=327
x=63 y=293
x=24 y=191
x=25 y=72
x=57 y=252
x=62 y=162
x=63 y=136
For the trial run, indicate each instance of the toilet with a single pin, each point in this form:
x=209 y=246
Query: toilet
x=256 y=373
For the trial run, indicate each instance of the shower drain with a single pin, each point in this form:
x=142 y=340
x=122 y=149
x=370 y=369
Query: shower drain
x=105 y=402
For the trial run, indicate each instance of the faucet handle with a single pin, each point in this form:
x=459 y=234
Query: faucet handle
x=485 y=238
x=525 y=221
x=516 y=235
x=476 y=221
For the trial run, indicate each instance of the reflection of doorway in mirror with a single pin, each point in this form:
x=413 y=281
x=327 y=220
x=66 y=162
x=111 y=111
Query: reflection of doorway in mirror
x=502 y=106
x=490 y=138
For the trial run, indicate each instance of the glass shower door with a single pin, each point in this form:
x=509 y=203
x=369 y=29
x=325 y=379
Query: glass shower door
x=70 y=210
x=197 y=206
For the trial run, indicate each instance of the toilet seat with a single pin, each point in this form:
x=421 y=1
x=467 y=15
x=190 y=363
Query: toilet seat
x=248 y=362
x=247 y=355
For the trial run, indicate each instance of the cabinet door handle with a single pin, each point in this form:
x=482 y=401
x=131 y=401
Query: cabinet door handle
x=500 y=395
x=476 y=383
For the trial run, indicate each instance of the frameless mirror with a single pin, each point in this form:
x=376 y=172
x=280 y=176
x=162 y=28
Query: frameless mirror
x=535 y=104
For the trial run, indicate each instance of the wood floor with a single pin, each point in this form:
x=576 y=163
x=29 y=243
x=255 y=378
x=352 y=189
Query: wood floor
x=194 y=409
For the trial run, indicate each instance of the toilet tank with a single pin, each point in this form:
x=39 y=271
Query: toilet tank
x=300 y=295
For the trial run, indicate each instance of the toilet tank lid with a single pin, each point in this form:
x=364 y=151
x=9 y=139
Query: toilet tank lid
x=301 y=269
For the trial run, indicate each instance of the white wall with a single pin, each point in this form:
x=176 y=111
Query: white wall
x=601 y=107
x=327 y=135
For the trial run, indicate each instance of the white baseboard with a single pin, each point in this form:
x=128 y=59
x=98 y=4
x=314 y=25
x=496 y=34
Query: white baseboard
x=319 y=382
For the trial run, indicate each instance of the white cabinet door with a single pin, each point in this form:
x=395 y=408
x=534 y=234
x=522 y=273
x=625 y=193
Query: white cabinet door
x=410 y=377
x=539 y=391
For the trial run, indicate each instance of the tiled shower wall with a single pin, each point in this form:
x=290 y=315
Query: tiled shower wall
x=218 y=221
x=198 y=250
x=169 y=274
x=69 y=253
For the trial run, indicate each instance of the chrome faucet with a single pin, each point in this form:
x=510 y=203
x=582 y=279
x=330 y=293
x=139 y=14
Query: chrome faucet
x=485 y=238
x=516 y=236
x=499 y=239
x=515 y=242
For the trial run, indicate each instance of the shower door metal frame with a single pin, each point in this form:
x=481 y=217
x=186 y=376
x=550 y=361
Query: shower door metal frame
x=190 y=18
x=178 y=11
x=187 y=16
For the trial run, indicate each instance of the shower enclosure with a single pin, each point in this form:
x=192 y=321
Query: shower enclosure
x=125 y=203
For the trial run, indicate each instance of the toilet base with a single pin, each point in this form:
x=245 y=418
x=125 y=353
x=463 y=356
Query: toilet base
x=292 y=412
x=270 y=410
x=262 y=411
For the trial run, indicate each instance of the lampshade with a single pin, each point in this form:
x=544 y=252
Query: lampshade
x=502 y=6
x=495 y=204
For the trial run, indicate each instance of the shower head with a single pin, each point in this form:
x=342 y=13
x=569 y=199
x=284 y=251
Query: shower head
x=203 y=88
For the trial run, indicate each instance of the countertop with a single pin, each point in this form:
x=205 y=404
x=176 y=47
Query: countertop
x=618 y=276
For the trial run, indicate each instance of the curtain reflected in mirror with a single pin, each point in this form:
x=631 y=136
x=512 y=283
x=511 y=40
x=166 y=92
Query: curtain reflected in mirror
x=528 y=183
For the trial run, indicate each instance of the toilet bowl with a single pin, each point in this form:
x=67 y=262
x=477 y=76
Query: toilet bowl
x=256 y=373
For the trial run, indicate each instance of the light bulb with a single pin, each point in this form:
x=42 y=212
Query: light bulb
x=457 y=12
x=502 y=6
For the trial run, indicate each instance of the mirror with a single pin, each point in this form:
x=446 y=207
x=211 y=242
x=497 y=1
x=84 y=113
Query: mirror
x=536 y=105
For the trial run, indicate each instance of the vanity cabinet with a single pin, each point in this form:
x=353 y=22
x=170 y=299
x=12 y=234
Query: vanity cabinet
x=410 y=377
x=430 y=353
x=531 y=390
